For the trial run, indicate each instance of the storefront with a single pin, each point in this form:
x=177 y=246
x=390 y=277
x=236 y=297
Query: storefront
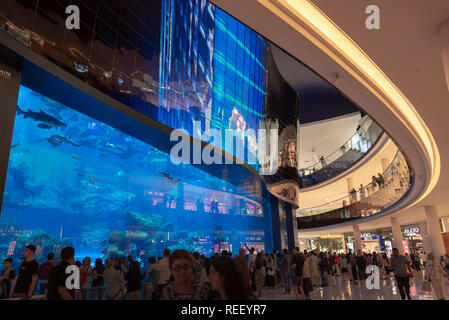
x=411 y=238
x=372 y=241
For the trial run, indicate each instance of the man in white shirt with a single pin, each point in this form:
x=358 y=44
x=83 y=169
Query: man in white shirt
x=163 y=272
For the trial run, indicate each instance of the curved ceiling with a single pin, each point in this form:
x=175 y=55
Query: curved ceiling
x=308 y=34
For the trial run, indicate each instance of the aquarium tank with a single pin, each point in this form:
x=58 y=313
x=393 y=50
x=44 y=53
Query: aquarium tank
x=73 y=180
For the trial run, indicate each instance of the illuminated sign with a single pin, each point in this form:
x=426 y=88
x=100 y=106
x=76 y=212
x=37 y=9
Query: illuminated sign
x=411 y=231
x=366 y=235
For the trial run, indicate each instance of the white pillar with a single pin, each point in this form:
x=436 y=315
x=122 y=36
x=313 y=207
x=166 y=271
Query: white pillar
x=425 y=237
x=397 y=234
x=435 y=237
x=357 y=239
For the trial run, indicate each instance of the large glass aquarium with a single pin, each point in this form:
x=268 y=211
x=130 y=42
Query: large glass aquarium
x=73 y=180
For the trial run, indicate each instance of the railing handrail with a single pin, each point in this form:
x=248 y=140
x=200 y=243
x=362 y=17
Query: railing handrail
x=358 y=132
x=349 y=194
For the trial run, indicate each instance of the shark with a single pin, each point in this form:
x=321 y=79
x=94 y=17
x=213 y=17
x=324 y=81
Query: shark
x=45 y=120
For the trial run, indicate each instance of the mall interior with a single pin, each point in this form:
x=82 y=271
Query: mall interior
x=338 y=133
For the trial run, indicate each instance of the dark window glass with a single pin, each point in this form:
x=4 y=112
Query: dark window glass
x=108 y=16
x=129 y=34
x=130 y=19
x=105 y=33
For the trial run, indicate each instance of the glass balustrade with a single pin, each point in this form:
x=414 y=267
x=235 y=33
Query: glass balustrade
x=384 y=191
x=342 y=158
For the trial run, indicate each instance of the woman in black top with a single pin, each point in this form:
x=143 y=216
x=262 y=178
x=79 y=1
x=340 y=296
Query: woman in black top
x=134 y=279
x=258 y=273
x=361 y=265
x=98 y=281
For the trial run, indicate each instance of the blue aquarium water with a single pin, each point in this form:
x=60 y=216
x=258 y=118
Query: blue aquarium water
x=73 y=180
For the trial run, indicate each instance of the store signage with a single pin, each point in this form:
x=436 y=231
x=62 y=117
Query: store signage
x=411 y=231
x=366 y=235
x=331 y=236
x=5 y=74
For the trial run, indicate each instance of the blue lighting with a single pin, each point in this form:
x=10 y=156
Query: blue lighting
x=106 y=193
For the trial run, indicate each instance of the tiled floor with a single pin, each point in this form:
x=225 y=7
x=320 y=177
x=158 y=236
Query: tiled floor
x=341 y=289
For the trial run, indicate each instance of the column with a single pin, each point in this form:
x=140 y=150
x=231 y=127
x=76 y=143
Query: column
x=433 y=226
x=425 y=237
x=290 y=228
x=357 y=239
x=10 y=77
x=397 y=234
x=276 y=223
x=385 y=164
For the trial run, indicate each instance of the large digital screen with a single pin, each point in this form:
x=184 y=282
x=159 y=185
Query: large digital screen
x=213 y=71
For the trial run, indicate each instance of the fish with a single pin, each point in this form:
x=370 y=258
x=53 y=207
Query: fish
x=45 y=120
x=170 y=179
x=53 y=141
x=74 y=156
x=94 y=179
x=80 y=175
x=57 y=190
x=57 y=140
x=12 y=147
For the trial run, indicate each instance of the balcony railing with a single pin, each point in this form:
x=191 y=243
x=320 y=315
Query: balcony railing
x=384 y=191
x=342 y=158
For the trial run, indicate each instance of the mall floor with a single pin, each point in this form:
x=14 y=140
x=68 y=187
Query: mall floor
x=343 y=289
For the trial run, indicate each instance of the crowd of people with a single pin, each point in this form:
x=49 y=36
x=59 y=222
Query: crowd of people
x=182 y=275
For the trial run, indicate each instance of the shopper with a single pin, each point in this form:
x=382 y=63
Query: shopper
x=324 y=269
x=344 y=266
x=150 y=283
x=401 y=267
x=297 y=266
x=241 y=263
x=271 y=272
x=114 y=283
x=44 y=273
x=354 y=269
x=226 y=279
x=28 y=274
x=57 y=281
x=183 y=287
x=285 y=271
x=6 y=278
x=434 y=274
x=86 y=272
x=98 y=281
x=134 y=279
x=258 y=277
x=162 y=273
x=306 y=282
x=314 y=270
